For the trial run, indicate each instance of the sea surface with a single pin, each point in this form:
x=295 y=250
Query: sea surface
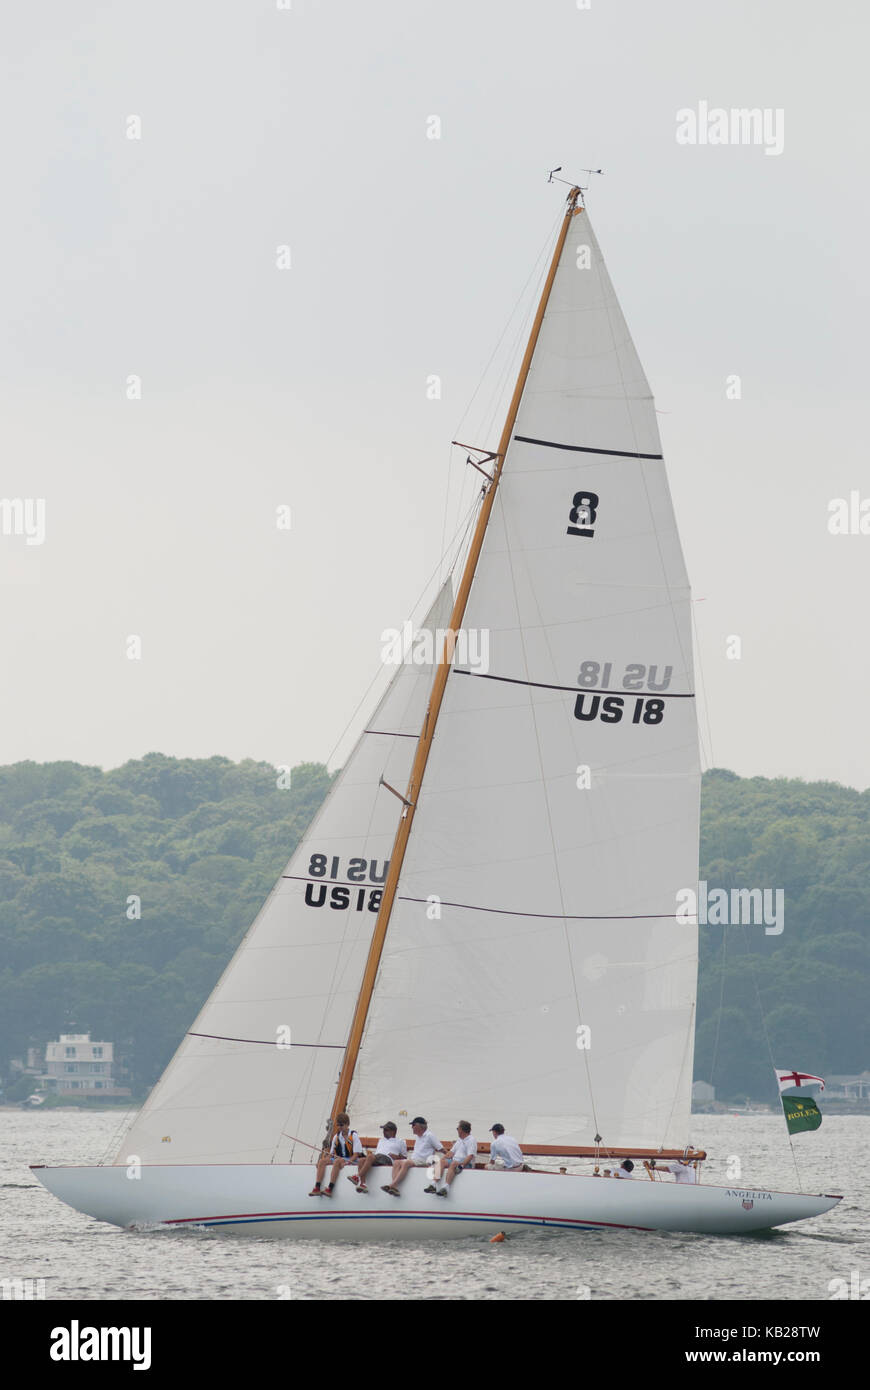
x=79 y=1258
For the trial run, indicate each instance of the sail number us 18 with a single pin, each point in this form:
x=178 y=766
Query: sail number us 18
x=360 y=872
x=611 y=709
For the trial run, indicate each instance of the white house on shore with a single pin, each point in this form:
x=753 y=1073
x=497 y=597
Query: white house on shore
x=76 y=1064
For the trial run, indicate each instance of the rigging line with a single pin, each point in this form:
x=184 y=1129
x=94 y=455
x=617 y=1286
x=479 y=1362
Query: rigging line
x=306 y=1081
x=719 y=1016
x=534 y=274
x=478 y=492
x=302 y=1092
x=338 y=971
x=460 y=549
x=379 y=671
x=508 y=373
x=502 y=384
x=125 y=1123
x=315 y=1148
x=704 y=702
x=767 y=1041
x=446 y=512
x=578 y=689
x=688 y=1054
x=501 y=393
x=341 y=957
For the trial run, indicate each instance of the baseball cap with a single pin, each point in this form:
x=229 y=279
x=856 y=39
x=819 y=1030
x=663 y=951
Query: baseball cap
x=496 y=1129
x=388 y=1124
x=418 y=1120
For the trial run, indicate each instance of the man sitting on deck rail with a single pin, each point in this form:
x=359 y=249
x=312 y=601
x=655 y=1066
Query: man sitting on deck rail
x=345 y=1148
x=425 y=1147
x=389 y=1149
x=505 y=1147
x=462 y=1155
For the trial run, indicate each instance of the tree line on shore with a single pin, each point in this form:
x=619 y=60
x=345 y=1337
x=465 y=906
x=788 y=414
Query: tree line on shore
x=124 y=893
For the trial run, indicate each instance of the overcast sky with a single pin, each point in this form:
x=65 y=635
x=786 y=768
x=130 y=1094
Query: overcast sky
x=309 y=127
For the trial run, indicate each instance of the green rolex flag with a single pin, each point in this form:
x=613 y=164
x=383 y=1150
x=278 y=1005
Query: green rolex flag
x=800 y=1114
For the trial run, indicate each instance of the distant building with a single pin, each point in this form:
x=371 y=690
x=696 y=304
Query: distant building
x=703 y=1093
x=848 y=1087
x=76 y=1064
x=34 y=1063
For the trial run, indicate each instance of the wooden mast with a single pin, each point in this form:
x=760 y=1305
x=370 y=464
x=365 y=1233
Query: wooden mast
x=425 y=741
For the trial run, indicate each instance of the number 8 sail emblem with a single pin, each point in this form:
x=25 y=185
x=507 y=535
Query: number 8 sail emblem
x=583 y=510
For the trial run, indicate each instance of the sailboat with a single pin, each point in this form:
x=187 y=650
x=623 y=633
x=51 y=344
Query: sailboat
x=481 y=920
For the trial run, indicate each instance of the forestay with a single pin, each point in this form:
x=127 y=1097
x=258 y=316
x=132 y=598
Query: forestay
x=533 y=971
x=232 y=1094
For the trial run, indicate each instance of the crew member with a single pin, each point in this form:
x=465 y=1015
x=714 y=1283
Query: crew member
x=345 y=1148
x=505 y=1147
x=426 y=1146
x=462 y=1155
x=389 y=1149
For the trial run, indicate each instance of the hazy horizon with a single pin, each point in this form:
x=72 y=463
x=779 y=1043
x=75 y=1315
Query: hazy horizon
x=236 y=259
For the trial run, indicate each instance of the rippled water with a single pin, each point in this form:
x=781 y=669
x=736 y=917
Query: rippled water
x=79 y=1258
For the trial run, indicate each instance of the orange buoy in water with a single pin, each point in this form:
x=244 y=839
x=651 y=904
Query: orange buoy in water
x=495 y=1240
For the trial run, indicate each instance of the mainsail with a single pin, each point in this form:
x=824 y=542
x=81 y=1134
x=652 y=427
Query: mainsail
x=533 y=972
x=235 y=1092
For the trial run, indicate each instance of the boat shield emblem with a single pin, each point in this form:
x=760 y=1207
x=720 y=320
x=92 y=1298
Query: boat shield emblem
x=747 y=1206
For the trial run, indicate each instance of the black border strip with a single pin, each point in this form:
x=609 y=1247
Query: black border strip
x=336 y=882
x=558 y=916
x=264 y=1042
x=389 y=733
x=584 y=449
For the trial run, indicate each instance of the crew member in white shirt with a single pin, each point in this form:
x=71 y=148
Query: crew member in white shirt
x=505 y=1147
x=462 y=1155
x=389 y=1149
x=625 y=1169
x=426 y=1146
x=682 y=1169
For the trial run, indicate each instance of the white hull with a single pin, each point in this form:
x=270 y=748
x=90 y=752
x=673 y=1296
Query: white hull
x=260 y=1199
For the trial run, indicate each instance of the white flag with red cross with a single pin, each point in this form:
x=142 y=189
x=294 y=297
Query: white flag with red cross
x=789 y=1079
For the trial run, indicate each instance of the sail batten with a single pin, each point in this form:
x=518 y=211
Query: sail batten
x=584 y=448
